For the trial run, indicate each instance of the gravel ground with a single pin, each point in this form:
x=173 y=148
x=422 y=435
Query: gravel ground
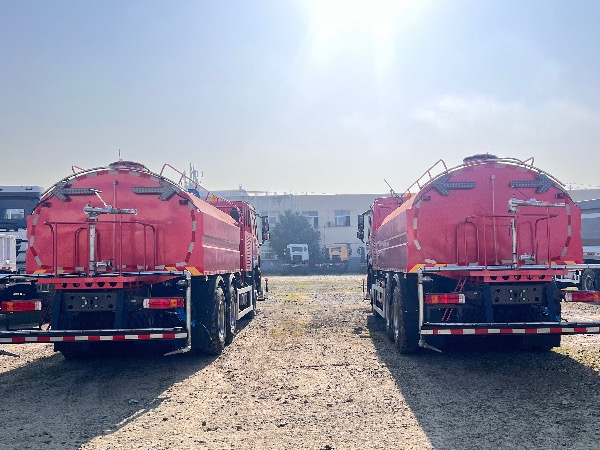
x=313 y=370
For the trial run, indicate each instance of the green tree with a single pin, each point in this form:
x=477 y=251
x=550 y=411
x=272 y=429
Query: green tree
x=294 y=228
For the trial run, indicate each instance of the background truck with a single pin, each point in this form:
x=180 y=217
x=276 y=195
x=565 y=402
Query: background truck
x=251 y=237
x=297 y=259
x=15 y=286
x=132 y=256
x=474 y=252
x=589 y=279
x=16 y=203
x=335 y=258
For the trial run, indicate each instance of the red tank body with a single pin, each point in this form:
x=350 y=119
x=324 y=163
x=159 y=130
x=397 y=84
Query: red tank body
x=172 y=230
x=461 y=218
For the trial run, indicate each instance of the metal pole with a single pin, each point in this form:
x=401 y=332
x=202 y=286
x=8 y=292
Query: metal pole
x=92 y=265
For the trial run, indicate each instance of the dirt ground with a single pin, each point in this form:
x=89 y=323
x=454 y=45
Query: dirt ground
x=313 y=370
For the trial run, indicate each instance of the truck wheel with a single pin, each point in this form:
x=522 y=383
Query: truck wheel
x=389 y=317
x=218 y=322
x=588 y=280
x=406 y=335
x=232 y=310
x=208 y=317
x=252 y=314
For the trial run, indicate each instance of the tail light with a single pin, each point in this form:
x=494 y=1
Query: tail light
x=163 y=303
x=582 y=296
x=444 y=299
x=21 y=306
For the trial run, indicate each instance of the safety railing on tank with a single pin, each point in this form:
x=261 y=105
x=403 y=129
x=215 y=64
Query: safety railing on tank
x=117 y=241
x=427 y=176
x=210 y=196
x=517 y=258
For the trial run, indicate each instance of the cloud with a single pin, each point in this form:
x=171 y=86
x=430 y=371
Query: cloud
x=453 y=112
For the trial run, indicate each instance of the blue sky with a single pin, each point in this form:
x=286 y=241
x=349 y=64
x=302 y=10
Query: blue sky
x=299 y=95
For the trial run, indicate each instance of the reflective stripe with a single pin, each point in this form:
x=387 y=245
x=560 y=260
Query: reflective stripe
x=119 y=337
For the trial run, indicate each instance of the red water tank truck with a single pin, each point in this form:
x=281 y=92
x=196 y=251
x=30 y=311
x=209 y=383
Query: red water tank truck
x=475 y=252
x=129 y=255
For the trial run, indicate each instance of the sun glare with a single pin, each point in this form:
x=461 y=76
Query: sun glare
x=375 y=18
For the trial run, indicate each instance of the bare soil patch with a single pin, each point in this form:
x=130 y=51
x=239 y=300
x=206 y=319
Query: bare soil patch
x=313 y=370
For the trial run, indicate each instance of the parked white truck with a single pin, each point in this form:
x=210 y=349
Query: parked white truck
x=16 y=203
x=296 y=259
x=589 y=279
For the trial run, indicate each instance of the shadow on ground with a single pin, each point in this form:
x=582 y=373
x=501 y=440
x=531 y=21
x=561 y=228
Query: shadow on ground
x=53 y=403
x=499 y=399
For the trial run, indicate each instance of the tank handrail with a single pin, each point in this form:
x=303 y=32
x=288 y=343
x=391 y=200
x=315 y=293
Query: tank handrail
x=529 y=159
x=465 y=222
x=431 y=177
x=183 y=176
x=540 y=217
x=54 y=241
x=501 y=160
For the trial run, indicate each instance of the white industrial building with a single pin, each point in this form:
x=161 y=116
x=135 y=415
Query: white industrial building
x=335 y=215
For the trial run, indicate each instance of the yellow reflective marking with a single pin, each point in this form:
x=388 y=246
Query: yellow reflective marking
x=193 y=270
x=416 y=268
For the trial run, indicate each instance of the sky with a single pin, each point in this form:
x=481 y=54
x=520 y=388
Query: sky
x=316 y=96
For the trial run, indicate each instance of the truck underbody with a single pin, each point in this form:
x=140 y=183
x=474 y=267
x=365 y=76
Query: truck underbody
x=428 y=308
x=190 y=313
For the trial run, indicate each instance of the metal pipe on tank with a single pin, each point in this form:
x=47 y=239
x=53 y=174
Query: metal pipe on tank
x=493 y=178
x=114 y=239
x=513 y=229
x=92 y=239
x=421 y=300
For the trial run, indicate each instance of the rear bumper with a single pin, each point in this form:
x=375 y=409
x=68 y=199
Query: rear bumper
x=457 y=329
x=146 y=334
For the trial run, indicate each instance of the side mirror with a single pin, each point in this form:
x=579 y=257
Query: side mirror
x=265 y=228
x=360 y=234
x=235 y=214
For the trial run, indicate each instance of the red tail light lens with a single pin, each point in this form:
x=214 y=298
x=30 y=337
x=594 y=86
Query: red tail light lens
x=444 y=299
x=21 y=306
x=582 y=296
x=163 y=303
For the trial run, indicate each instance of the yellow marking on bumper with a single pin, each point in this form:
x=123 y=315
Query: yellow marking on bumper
x=193 y=270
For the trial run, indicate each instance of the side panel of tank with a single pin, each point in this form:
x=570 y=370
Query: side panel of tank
x=391 y=240
x=220 y=245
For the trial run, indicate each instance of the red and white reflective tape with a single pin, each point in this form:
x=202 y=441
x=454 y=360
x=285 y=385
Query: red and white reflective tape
x=496 y=331
x=91 y=338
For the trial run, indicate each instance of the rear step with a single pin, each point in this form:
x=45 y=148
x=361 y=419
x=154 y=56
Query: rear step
x=510 y=328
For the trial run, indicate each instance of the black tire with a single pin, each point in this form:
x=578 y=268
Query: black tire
x=140 y=319
x=208 y=315
x=252 y=314
x=389 y=318
x=232 y=309
x=405 y=320
x=588 y=280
